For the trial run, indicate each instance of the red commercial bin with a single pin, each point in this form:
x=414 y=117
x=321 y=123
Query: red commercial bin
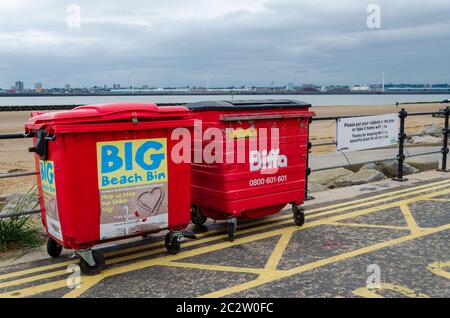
x=265 y=179
x=106 y=174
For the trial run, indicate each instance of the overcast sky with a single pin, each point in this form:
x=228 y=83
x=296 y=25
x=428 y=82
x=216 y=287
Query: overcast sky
x=236 y=42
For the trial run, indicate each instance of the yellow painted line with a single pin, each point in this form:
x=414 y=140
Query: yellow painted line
x=377 y=201
x=440 y=200
x=437 y=268
x=36 y=269
x=278 y=251
x=375 y=226
x=412 y=224
x=209 y=267
x=87 y=282
x=367 y=201
x=192 y=243
x=30 y=291
x=31 y=279
x=265 y=279
x=373 y=293
x=384 y=195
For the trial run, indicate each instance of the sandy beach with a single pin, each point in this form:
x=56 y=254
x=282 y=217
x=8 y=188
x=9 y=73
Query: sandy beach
x=14 y=156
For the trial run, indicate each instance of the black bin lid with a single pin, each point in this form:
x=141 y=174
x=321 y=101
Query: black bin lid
x=246 y=105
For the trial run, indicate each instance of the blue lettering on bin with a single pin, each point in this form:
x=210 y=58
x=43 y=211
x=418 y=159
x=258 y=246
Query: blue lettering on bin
x=111 y=160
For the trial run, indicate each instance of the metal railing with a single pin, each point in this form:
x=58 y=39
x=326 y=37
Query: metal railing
x=401 y=157
x=403 y=114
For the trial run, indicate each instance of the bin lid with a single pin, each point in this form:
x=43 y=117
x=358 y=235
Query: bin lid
x=108 y=113
x=247 y=105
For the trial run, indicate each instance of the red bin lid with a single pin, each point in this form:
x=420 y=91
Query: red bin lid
x=104 y=113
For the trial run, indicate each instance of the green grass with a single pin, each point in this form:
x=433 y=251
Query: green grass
x=20 y=231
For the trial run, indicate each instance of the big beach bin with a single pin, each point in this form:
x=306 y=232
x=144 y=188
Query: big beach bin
x=266 y=178
x=105 y=173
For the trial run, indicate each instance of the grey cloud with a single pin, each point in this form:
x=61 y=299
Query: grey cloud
x=236 y=42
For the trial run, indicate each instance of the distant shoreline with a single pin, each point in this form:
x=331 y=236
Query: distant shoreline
x=229 y=93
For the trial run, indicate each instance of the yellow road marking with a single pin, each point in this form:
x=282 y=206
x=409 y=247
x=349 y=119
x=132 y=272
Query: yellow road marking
x=36 y=270
x=209 y=267
x=368 y=201
x=372 y=293
x=384 y=195
x=440 y=200
x=26 y=292
x=86 y=283
x=32 y=279
x=413 y=227
x=438 y=269
x=375 y=226
x=264 y=280
x=278 y=251
x=253 y=238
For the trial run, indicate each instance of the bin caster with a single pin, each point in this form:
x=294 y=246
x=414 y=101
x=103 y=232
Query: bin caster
x=91 y=262
x=173 y=242
x=299 y=214
x=197 y=217
x=231 y=229
x=53 y=248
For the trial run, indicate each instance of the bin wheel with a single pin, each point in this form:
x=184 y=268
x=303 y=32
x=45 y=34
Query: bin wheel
x=53 y=248
x=97 y=268
x=174 y=246
x=197 y=217
x=299 y=215
x=231 y=228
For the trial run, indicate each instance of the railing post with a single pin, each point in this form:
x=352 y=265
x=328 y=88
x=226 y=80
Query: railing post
x=401 y=146
x=445 y=132
x=308 y=169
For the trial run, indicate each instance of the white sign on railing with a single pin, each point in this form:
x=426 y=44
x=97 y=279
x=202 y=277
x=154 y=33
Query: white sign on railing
x=359 y=133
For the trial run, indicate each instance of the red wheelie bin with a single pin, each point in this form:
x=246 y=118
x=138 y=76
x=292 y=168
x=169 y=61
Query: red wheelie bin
x=105 y=173
x=246 y=181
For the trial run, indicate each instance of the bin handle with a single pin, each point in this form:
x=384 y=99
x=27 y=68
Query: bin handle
x=41 y=146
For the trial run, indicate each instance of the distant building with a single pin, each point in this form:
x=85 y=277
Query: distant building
x=310 y=88
x=67 y=87
x=290 y=87
x=338 y=89
x=116 y=86
x=19 y=87
x=38 y=87
x=361 y=88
